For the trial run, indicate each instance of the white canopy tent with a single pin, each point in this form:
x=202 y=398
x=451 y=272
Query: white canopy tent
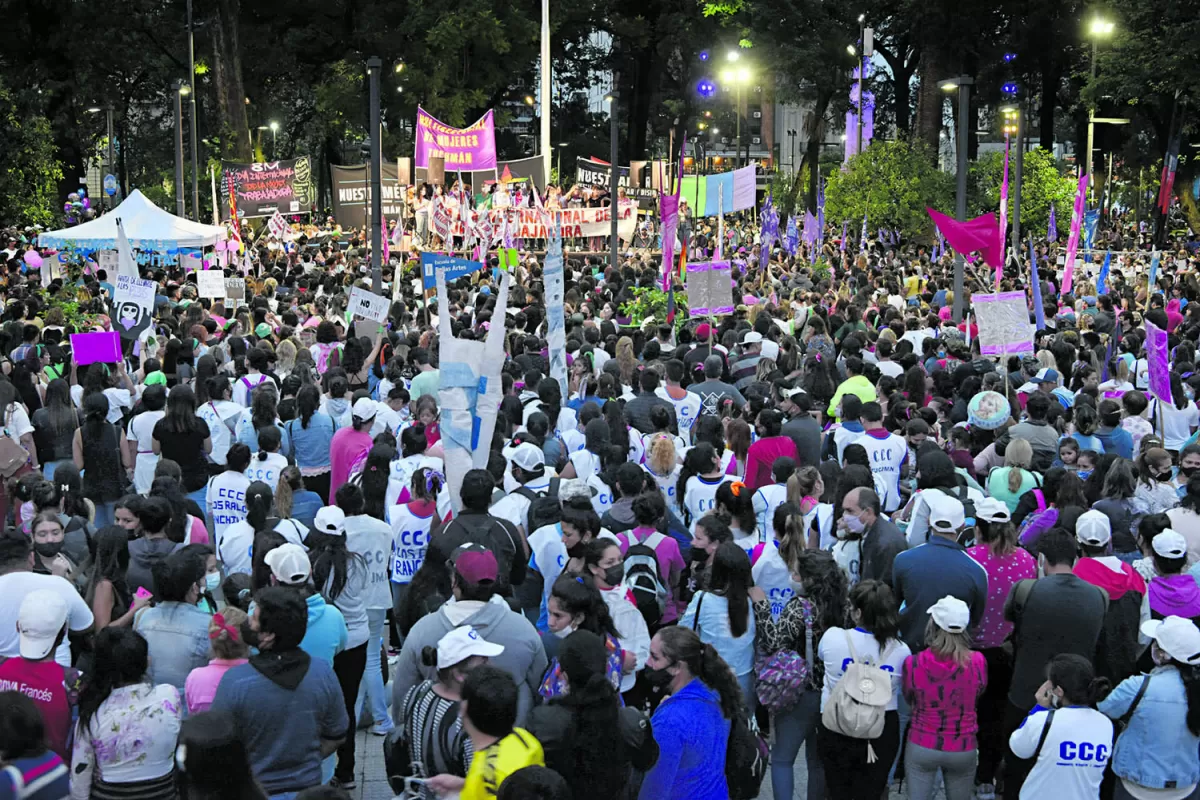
x=147 y=226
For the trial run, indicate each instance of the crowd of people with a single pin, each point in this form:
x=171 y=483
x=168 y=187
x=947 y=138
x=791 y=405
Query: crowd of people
x=824 y=521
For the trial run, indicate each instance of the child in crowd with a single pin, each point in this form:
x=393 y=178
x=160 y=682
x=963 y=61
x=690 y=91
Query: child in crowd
x=1086 y=463
x=1068 y=454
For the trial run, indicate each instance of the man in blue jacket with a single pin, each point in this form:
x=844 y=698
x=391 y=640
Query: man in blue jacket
x=940 y=567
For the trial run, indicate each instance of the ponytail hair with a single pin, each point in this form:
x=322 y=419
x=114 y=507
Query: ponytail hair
x=258 y=506
x=426 y=483
x=683 y=646
x=1191 y=687
x=1077 y=678
x=594 y=745
x=290 y=482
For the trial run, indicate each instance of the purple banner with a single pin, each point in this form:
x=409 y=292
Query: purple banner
x=470 y=149
x=668 y=205
x=1156 y=361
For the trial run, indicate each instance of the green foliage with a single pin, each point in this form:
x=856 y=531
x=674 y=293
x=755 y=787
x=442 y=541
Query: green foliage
x=28 y=167
x=893 y=182
x=652 y=302
x=1041 y=183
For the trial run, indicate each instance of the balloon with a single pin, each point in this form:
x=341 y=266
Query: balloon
x=32 y=259
x=988 y=410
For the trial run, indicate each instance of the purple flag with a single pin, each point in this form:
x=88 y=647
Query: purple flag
x=810 y=228
x=770 y=231
x=1073 y=237
x=1156 y=358
x=668 y=205
x=1052 y=228
x=845 y=233
x=792 y=239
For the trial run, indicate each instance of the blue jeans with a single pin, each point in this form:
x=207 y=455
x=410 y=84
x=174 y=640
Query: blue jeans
x=105 y=513
x=49 y=467
x=794 y=727
x=371 y=688
x=746 y=682
x=201 y=498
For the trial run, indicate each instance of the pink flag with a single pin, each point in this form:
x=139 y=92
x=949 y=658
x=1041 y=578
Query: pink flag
x=384 y=238
x=1073 y=238
x=668 y=212
x=1003 y=214
x=975 y=235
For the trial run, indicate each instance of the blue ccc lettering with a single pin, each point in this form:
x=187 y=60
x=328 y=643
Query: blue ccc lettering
x=1083 y=751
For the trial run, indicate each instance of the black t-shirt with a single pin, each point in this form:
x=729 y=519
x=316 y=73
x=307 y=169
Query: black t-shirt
x=185 y=448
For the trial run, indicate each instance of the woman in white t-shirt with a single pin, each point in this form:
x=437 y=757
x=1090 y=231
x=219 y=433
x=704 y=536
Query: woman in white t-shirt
x=1069 y=741
x=663 y=465
x=850 y=769
x=266 y=464
x=226 y=496
x=141 y=433
x=236 y=547
x=1178 y=421
x=701 y=475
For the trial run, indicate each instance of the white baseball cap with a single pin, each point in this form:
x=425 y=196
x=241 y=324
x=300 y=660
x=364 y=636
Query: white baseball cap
x=461 y=643
x=946 y=514
x=752 y=337
x=364 y=408
x=1170 y=544
x=1177 y=636
x=1093 y=528
x=289 y=564
x=330 y=520
x=41 y=618
x=992 y=510
x=951 y=614
x=529 y=457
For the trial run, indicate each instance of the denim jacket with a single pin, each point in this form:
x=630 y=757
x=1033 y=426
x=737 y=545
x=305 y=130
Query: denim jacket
x=310 y=445
x=714 y=628
x=1156 y=750
x=178 y=637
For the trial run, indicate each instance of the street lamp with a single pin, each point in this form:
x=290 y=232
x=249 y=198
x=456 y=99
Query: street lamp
x=962 y=84
x=792 y=135
x=112 y=163
x=734 y=55
x=181 y=89
x=613 y=206
x=274 y=132
x=1099 y=29
x=739 y=78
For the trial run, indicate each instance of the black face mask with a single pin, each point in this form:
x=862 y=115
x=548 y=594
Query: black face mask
x=699 y=555
x=1188 y=472
x=576 y=550
x=1164 y=476
x=657 y=677
x=614 y=574
x=48 y=549
x=249 y=635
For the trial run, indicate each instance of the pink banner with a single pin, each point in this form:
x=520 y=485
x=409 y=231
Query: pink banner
x=668 y=205
x=469 y=149
x=1003 y=215
x=93 y=348
x=1157 y=362
x=1073 y=239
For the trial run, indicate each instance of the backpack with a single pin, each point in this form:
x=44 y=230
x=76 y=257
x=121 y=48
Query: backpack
x=967 y=536
x=857 y=706
x=643 y=579
x=1037 y=522
x=783 y=676
x=746 y=758
x=544 y=507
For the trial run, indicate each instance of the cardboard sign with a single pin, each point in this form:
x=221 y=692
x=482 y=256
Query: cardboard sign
x=710 y=288
x=107 y=260
x=436 y=174
x=368 y=305
x=278 y=225
x=1004 y=327
x=235 y=289
x=189 y=262
x=93 y=348
x=211 y=283
x=132 y=305
x=509 y=259
x=367 y=328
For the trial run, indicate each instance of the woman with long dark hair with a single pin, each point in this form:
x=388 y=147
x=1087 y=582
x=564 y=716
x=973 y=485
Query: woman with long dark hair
x=97 y=447
x=213 y=762
x=575 y=604
x=586 y=736
x=374 y=478
x=264 y=413
x=126 y=724
x=54 y=427
x=692 y=725
x=311 y=434
x=107 y=593
x=721 y=615
x=184 y=438
x=140 y=459
x=342 y=578
x=699 y=479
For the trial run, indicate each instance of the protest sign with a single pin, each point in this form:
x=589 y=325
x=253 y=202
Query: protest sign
x=556 y=336
x=211 y=283
x=265 y=189
x=1004 y=327
x=710 y=288
x=453 y=267
x=368 y=305
x=1157 y=363
x=235 y=289
x=509 y=258
x=278 y=225
x=96 y=348
x=189 y=262
x=352 y=194
x=469 y=149
x=107 y=260
x=132 y=305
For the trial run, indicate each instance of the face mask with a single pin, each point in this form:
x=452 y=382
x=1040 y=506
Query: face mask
x=699 y=555
x=1084 y=474
x=657 y=677
x=1164 y=476
x=48 y=549
x=614 y=574
x=212 y=581
x=1188 y=472
x=249 y=635
x=854 y=524
x=576 y=550
x=565 y=632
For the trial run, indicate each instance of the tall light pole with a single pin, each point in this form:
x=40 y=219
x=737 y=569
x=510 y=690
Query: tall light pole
x=1100 y=28
x=544 y=80
x=374 y=65
x=192 y=96
x=963 y=85
x=792 y=135
x=1014 y=124
x=862 y=68
x=112 y=168
x=739 y=77
x=274 y=133
x=180 y=90
x=614 y=206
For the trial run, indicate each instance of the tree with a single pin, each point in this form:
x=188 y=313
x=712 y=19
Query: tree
x=892 y=182
x=29 y=169
x=1042 y=182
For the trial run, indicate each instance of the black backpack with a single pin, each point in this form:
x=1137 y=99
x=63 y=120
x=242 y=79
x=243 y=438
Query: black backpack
x=544 y=508
x=746 y=758
x=969 y=532
x=643 y=578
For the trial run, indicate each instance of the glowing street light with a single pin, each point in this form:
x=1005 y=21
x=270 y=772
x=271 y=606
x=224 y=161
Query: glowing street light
x=733 y=55
x=1101 y=27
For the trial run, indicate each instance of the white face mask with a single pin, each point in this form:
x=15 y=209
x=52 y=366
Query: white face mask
x=853 y=523
x=565 y=632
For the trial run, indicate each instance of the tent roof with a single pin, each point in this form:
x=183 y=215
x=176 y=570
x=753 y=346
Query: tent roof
x=147 y=226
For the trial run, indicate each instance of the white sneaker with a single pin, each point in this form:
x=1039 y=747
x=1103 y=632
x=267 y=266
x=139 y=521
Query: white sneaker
x=383 y=730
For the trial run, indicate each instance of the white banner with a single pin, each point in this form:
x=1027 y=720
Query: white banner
x=211 y=283
x=368 y=305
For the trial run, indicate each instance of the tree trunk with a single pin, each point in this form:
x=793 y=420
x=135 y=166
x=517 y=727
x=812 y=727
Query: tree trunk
x=638 y=114
x=227 y=80
x=903 y=64
x=1050 y=81
x=814 y=135
x=930 y=100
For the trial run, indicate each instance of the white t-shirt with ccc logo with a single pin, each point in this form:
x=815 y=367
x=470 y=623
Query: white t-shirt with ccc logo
x=835 y=653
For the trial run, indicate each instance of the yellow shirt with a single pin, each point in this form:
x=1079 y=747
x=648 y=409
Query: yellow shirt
x=913 y=285
x=493 y=764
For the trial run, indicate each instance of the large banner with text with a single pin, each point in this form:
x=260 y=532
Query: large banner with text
x=352 y=194
x=264 y=188
x=468 y=149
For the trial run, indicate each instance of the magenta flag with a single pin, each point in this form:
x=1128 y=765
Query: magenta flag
x=668 y=209
x=1073 y=238
x=975 y=235
x=1156 y=361
x=1003 y=213
x=469 y=149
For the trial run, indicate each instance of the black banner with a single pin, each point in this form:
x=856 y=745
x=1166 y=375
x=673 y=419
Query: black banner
x=352 y=194
x=596 y=173
x=263 y=189
x=524 y=168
